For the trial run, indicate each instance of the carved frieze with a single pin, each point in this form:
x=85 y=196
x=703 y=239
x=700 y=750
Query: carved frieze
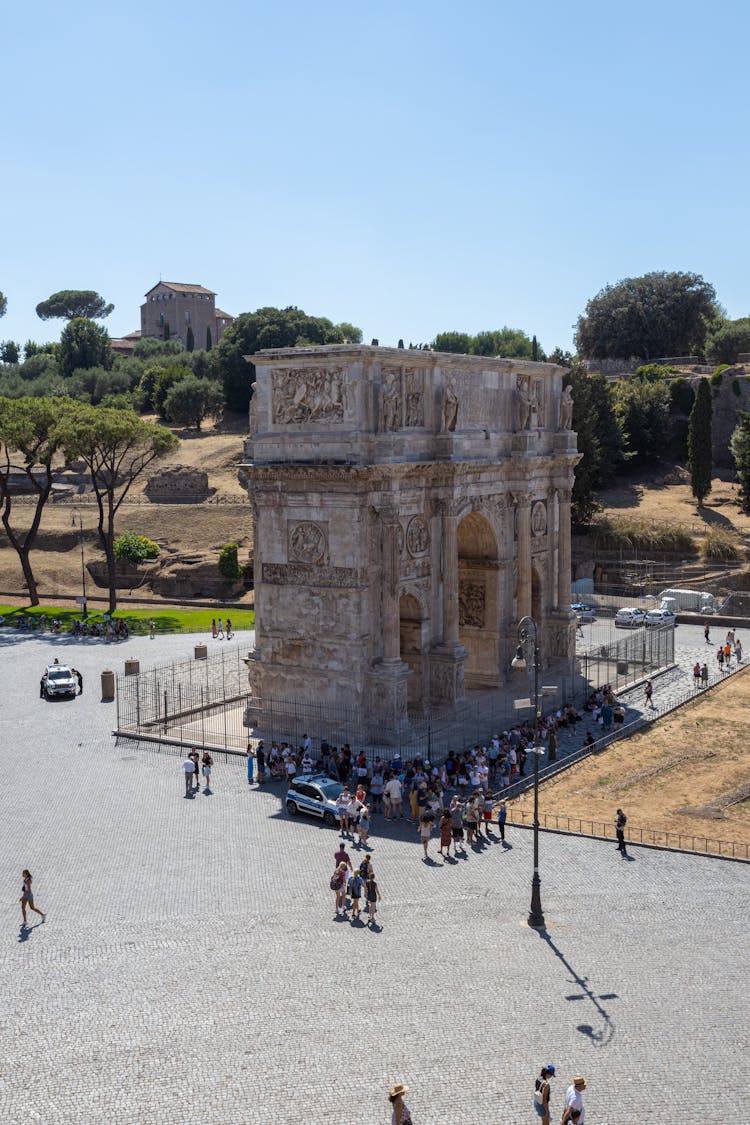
x=413 y=397
x=471 y=604
x=538 y=518
x=307 y=541
x=299 y=574
x=390 y=402
x=417 y=536
x=304 y=395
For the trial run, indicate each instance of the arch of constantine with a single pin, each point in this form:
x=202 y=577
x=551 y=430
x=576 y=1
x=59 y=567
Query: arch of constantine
x=409 y=508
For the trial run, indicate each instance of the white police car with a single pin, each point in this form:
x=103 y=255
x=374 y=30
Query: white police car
x=314 y=794
x=58 y=680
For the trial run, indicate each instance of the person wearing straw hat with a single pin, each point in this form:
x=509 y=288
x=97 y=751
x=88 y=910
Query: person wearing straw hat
x=574 y=1101
x=400 y=1114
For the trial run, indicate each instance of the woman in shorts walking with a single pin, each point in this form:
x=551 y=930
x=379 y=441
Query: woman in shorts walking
x=27 y=897
x=425 y=831
x=446 y=832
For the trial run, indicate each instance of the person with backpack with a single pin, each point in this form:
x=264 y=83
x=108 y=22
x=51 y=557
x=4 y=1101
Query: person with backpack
x=542 y=1090
x=338 y=886
x=355 y=887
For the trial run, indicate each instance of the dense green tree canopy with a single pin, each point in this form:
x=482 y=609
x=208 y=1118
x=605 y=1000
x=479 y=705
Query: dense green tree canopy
x=3 y=304
x=643 y=411
x=726 y=339
x=268 y=328
x=600 y=437
x=699 y=443
x=191 y=400
x=739 y=443
x=69 y=304
x=84 y=344
x=509 y=343
x=10 y=351
x=650 y=317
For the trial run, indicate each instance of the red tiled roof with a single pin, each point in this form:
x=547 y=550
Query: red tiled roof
x=181 y=287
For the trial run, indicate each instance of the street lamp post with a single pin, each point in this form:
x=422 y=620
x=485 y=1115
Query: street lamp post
x=79 y=525
x=528 y=631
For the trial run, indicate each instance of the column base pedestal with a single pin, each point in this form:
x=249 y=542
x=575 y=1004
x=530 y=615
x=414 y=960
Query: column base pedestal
x=387 y=715
x=447 y=673
x=560 y=633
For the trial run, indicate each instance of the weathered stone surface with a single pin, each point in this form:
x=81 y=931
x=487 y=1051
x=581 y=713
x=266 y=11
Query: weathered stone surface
x=409 y=508
x=177 y=484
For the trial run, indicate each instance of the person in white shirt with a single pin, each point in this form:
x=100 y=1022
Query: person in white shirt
x=307 y=762
x=291 y=769
x=574 y=1100
x=393 y=792
x=189 y=767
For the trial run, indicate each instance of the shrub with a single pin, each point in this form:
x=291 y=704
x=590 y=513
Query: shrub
x=681 y=396
x=135 y=548
x=716 y=378
x=229 y=567
x=718 y=547
x=653 y=372
x=639 y=535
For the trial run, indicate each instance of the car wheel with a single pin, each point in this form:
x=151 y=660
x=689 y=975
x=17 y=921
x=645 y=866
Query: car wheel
x=329 y=819
x=291 y=808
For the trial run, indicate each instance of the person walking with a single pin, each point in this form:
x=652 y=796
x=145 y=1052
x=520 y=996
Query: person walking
x=720 y=657
x=189 y=769
x=707 y=632
x=250 y=762
x=457 y=823
x=207 y=766
x=620 y=821
x=738 y=651
x=342 y=808
x=446 y=832
x=214 y=630
x=704 y=675
x=648 y=691
x=79 y=677
x=425 y=831
x=151 y=629
x=574 y=1101
x=399 y=1110
x=393 y=792
x=502 y=816
x=221 y=630
x=697 y=674
x=338 y=886
x=363 y=826
x=372 y=894
x=355 y=887
x=260 y=761
x=542 y=1091
x=27 y=897
x=229 y=630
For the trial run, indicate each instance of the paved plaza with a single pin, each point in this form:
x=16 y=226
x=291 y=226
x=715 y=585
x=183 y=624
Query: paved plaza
x=191 y=970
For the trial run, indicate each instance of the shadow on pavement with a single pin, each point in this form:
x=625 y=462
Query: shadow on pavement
x=606 y=1032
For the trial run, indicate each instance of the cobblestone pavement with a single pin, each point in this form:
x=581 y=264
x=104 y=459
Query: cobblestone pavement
x=191 y=969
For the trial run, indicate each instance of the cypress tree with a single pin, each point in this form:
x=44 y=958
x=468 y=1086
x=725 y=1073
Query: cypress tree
x=166 y=329
x=534 y=349
x=209 y=343
x=699 y=443
x=190 y=339
x=739 y=443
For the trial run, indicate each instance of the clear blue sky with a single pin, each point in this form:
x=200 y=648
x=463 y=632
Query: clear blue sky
x=410 y=167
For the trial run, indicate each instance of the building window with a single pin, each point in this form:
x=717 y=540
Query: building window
x=187 y=316
x=161 y=318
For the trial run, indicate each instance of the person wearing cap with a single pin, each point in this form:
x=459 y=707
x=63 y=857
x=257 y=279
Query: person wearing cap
x=542 y=1092
x=400 y=1113
x=574 y=1101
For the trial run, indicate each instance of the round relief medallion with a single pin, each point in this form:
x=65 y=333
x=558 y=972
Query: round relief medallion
x=539 y=518
x=307 y=543
x=417 y=536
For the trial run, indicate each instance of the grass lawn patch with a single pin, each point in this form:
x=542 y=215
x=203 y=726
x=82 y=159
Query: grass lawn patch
x=168 y=620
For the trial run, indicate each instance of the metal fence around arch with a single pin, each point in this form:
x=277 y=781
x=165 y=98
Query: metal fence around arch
x=207 y=702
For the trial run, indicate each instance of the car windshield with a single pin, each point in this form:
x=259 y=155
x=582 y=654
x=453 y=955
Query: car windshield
x=58 y=674
x=331 y=789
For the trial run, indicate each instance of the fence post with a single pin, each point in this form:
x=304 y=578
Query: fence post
x=203 y=726
x=165 y=710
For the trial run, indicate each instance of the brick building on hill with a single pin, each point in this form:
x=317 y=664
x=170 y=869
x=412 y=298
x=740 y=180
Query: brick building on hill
x=172 y=307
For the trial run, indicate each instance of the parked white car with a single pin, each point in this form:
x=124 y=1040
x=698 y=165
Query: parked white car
x=658 y=618
x=629 y=618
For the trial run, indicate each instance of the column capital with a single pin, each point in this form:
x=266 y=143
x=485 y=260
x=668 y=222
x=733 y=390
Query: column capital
x=521 y=499
x=450 y=506
x=565 y=495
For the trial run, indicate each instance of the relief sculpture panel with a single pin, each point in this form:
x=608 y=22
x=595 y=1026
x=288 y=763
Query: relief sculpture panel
x=307 y=542
x=417 y=536
x=471 y=604
x=307 y=395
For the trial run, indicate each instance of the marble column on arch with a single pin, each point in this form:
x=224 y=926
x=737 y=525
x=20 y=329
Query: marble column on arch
x=523 y=554
x=563 y=551
x=389 y=522
x=447 y=658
